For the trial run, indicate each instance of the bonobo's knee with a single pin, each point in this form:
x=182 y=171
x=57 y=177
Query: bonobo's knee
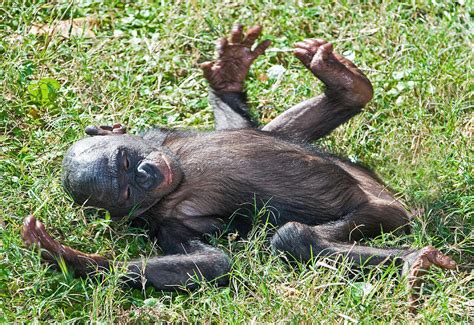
x=400 y=221
x=372 y=219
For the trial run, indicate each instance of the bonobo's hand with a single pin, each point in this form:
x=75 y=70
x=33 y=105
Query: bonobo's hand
x=116 y=129
x=33 y=233
x=235 y=56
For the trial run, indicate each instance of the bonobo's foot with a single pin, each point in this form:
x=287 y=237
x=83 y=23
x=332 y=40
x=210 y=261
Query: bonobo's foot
x=418 y=262
x=339 y=74
x=235 y=55
x=35 y=234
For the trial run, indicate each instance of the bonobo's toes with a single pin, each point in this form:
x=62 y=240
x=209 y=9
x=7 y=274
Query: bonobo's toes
x=325 y=64
x=421 y=260
x=418 y=262
x=310 y=45
x=338 y=73
x=324 y=55
x=305 y=50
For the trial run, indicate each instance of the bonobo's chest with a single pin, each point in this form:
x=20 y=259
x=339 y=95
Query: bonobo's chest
x=240 y=172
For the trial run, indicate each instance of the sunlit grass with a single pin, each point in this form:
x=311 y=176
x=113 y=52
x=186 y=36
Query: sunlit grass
x=141 y=70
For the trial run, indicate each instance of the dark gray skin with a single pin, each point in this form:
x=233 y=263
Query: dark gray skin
x=188 y=184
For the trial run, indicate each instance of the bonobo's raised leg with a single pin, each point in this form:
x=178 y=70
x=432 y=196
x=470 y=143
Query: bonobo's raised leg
x=347 y=92
x=168 y=272
x=227 y=74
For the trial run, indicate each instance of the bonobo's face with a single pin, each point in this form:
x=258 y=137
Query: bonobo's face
x=121 y=173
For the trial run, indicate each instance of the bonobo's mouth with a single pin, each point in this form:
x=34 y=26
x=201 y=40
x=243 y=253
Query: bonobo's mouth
x=166 y=171
x=163 y=164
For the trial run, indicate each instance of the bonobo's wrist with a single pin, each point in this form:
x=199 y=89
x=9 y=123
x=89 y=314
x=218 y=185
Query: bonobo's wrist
x=231 y=95
x=233 y=87
x=237 y=100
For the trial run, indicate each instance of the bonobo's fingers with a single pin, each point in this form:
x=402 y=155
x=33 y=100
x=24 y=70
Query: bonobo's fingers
x=235 y=56
x=116 y=129
x=417 y=263
x=236 y=34
x=119 y=128
x=252 y=34
x=93 y=130
x=34 y=233
x=260 y=49
x=221 y=46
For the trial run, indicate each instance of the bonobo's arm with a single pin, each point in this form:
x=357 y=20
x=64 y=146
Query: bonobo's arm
x=34 y=233
x=347 y=92
x=227 y=74
x=169 y=272
x=230 y=110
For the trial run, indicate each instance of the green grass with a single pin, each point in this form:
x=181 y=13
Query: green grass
x=417 y=133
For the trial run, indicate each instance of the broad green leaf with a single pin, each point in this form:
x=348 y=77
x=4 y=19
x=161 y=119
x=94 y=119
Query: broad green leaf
x=44 y=91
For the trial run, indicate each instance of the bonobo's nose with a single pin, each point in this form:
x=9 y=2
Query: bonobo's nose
x=148 y=176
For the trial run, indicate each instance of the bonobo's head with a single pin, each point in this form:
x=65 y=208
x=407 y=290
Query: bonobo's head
x=122 y=173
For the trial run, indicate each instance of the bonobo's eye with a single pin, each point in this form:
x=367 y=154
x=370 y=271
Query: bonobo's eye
x=126 y=161
x=128 y=192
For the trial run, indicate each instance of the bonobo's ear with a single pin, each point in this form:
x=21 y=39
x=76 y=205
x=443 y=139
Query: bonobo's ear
x=116 y=129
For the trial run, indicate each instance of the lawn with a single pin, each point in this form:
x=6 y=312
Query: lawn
x=137 y=65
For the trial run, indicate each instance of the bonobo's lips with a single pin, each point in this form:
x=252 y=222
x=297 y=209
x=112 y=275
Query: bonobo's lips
x=163 y=164
x=167 y=173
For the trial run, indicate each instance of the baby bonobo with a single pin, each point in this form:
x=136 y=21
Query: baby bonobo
x=190 y=184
